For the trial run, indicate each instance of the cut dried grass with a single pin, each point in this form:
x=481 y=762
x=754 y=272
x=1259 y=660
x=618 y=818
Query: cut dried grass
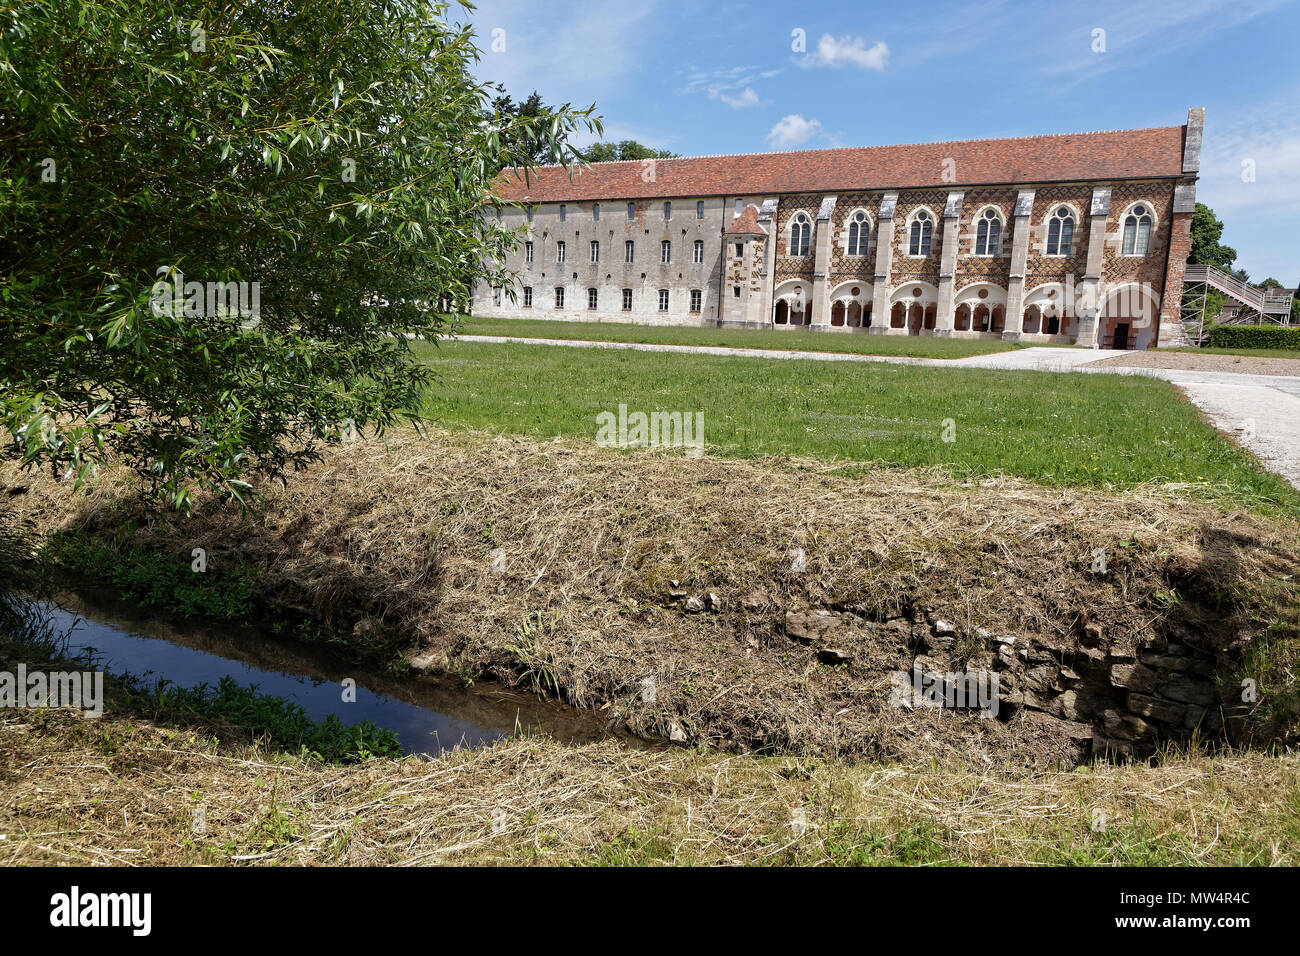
x=112 y=792
x=401 y=535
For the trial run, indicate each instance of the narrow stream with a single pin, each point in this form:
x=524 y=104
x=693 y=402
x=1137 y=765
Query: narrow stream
x=428 y=715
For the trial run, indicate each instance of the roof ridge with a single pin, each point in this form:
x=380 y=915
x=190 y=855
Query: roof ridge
x=840 y=149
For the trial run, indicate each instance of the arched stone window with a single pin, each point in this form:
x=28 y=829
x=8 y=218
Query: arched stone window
x=800 y=231
x=1060 y=232
x=1033 y=320
x=961 y=321
x=922 y=231
x=859 y=233
x=1137 y=231
x=1045 y=311
x=988 y=233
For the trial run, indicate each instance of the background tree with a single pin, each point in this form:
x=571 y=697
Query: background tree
x=524 y=122
x=336 y=152
x=1207 y=229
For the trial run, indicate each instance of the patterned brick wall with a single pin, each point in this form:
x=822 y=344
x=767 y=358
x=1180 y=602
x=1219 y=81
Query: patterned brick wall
x=1151 y=267
x=970 y=267
x=1041 y=268
x=908 y=268
x=796 y=267
x=744 y=272
x=844 y=266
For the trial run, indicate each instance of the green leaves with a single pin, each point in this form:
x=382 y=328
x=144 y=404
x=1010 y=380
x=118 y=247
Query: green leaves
x=222 y=166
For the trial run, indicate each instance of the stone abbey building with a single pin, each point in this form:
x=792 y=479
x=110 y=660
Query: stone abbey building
x=1078 y=238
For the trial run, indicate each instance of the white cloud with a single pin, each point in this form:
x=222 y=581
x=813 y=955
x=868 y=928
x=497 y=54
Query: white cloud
x=792 y=131
x=731 y=85
x=1257 y=215
x=746 y=97
x=574 y=58
x=849 y=51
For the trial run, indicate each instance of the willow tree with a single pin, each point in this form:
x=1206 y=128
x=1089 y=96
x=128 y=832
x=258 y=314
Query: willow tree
x=219 y=220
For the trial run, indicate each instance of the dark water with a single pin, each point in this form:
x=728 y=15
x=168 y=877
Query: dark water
x=428 y=715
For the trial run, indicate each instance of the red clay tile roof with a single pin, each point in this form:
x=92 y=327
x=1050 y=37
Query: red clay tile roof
x=746 y=224
x=1069 y=157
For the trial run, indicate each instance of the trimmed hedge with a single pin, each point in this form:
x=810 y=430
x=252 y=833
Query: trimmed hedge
x=1254 y=337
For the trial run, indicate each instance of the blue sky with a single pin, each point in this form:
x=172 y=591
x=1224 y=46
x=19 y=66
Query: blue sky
x=702 y=78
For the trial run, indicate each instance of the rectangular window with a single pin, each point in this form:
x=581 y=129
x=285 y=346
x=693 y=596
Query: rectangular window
x=528 y=297
x=699 y=209
x=628 y=250
x=528 y=252
x=595 y=251
x=665 y=251
x=595 y=211
x=699 y=251
x=559 y=296
x=559 y=251
x=735 y=291
x=591 y=298
x=668 y=210
x=627 y=300
x=564 y=210
x=740 y=249
x=696 y=299
x=530 y=212
x=663 y=300
x=496 y=297
x=740 y=207
x=631 y=210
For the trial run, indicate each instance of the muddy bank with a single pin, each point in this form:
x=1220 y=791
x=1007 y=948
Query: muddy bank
x=674 y=594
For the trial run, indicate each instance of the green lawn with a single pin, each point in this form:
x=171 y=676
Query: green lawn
x=1059 y=429
x=800 y=339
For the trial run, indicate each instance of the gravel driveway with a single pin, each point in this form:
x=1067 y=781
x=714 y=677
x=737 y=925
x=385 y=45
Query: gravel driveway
x=1206 y=362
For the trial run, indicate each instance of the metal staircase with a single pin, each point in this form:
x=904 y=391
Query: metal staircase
x=1260 y=306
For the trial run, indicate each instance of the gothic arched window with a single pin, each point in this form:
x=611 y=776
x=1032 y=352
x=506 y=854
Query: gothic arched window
x=1060 y=232
x=1137 y=231
x=922 y=232
x=800 y=230
x=859 y=233
x=988 y=234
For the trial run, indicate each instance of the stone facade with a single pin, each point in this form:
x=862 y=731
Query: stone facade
x=995 y=264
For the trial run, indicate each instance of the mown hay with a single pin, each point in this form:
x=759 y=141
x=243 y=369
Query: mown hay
x=406 y=537
x=112 y=792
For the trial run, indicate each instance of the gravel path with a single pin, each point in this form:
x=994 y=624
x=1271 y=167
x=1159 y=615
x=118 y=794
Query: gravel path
x=1263 y=419
x=1207 y=362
